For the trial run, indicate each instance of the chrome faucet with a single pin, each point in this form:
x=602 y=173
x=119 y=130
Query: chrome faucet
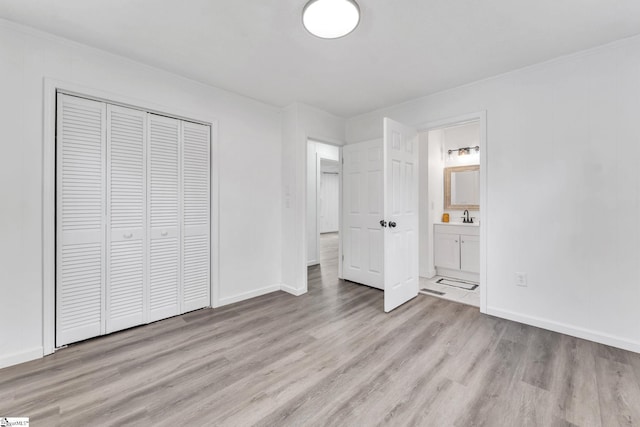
x=466 y=219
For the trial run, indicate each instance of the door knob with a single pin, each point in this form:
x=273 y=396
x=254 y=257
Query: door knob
x=383 y=223
x=164 y=233
x=392 y=224
x=127 y=235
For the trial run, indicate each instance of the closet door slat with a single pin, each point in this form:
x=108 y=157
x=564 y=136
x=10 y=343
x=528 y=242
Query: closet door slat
x=126 y=207
x=164 y=217
x=80 y=219
x=196 y=213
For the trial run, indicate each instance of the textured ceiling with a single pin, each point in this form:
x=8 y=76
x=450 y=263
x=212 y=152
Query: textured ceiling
x=401 y=50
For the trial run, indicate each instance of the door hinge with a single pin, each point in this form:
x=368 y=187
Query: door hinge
x=343 y=257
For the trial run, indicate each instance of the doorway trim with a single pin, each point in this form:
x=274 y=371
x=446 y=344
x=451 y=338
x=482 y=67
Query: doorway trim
x=51 y=88
x=481 y=117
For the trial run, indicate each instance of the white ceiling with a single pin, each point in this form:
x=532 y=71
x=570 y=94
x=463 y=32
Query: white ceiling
x=401 y=50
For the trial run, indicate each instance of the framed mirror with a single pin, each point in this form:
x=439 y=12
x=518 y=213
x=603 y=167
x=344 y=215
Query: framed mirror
x=462 y=188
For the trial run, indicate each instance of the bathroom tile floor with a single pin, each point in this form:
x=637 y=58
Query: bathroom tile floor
x=450 y=293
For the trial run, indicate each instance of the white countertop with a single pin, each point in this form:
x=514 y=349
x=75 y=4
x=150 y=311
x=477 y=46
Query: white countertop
x=475 y=224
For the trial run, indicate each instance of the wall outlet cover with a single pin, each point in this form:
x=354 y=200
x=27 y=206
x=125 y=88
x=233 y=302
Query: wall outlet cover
x=521 y=279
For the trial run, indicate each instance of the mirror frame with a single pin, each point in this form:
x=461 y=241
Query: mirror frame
x=447 y=187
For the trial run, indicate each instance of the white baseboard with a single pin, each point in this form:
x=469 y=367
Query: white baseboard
x=247 y=295
x=564 y=328
x=429 y=274
x=21 y=357
x=457 y=274
x=292 y=291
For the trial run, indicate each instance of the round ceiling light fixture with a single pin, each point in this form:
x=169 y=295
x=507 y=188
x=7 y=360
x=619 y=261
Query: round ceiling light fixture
x=331 y=19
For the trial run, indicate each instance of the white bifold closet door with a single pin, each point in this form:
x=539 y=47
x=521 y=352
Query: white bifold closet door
x=164 y=217
x=196 y=231
x=133 y=218
x=126 y=210
x=80 y=219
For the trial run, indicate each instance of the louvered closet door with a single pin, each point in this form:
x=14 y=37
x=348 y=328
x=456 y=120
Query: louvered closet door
x=126 y=208
x=164 y=217
x=80 y=219
x=196 y=214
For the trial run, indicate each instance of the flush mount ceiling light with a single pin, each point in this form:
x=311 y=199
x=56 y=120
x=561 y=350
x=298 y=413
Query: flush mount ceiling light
x=331 y=19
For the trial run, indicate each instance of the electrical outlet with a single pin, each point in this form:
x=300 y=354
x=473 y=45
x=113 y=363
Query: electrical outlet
x=521 y=279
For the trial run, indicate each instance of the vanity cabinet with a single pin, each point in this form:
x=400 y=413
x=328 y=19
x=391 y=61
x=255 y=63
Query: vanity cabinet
x=457 y=251
x=447 y=250
x=470 y=253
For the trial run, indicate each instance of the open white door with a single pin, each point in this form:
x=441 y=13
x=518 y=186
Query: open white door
x=362 y=233
x=400 y=149
x=380 y=214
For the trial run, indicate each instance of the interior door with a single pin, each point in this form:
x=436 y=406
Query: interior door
x=164 y=217
x=196 y=282
x=126 y=212
x=400 y=148
x=362 y=233
x=80 y=219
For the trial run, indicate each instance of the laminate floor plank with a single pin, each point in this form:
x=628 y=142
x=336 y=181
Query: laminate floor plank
x=470 y=362
x=541 y=356
x=575 y=387
x=619 y=393
x=486 y=389
x=331 y=357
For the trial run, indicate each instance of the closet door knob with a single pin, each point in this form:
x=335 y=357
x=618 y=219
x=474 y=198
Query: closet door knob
x=164 y=233
x=127 y=235
x=392 y=224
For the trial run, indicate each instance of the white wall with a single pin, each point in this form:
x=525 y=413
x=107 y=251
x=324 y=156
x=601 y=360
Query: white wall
x=563 y=147
x=315 y=152
x=250 y=156
x=300 y=123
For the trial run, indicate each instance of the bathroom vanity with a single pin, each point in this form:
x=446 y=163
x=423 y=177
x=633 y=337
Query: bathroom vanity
x=457 y=250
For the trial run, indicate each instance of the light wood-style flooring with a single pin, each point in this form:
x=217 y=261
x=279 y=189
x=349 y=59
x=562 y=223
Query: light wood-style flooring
x=330 y=357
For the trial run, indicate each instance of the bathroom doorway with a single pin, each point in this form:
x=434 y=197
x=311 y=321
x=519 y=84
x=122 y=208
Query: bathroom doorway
x=452 y=191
